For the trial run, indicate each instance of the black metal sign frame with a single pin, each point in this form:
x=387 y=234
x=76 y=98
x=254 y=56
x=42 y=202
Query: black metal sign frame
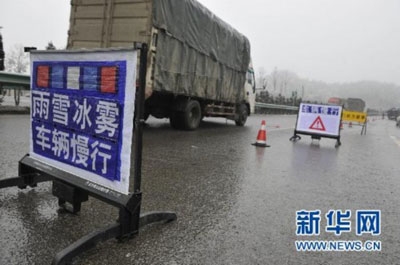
x=74 y=190
x=296 y=136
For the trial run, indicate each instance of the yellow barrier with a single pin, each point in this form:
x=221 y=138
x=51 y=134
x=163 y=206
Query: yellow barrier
x=357 y=117
x=354 y=116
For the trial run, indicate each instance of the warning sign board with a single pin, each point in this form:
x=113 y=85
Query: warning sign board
x=82 y=114
x=323 y=120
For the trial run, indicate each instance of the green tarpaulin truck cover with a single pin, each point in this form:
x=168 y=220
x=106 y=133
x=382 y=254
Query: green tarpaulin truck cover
x=198 y=54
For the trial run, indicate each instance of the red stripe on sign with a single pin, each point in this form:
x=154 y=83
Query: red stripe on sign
x=43 y=74
x=108 y=79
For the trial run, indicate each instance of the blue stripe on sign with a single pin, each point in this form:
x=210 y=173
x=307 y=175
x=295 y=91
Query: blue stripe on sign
x=57 y=76
x=90 y=78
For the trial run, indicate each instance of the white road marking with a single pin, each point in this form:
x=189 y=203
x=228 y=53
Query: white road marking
x=395 y=140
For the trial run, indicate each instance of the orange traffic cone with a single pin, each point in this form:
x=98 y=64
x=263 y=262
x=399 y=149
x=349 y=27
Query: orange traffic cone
x=262 y=136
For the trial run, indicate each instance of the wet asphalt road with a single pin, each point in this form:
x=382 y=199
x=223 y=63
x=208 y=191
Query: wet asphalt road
x=235 y=203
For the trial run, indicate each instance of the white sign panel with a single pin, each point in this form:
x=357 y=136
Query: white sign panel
x=82 y=113
x=319 y=119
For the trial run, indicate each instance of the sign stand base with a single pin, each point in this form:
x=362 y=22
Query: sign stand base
x=364 y=129
x=126 y=227
x=296 y=137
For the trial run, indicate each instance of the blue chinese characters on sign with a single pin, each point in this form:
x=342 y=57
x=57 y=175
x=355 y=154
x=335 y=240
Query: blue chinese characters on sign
x=326 y=110
x=77 y=114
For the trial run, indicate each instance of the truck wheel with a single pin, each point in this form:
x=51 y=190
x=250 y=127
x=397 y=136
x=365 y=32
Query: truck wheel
x=192 y=115
x=242 y=115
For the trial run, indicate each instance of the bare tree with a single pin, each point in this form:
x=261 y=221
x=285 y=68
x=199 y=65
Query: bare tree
x=1 y=53
x=262 y=79
x=17 y=60
x=275 y=78
x=284 y=80
x=50 y=46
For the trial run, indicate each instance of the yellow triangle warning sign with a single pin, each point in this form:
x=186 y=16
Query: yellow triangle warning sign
x=318 y=125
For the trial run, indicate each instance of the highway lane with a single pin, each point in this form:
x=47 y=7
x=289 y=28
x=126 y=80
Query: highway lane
x=236 y=204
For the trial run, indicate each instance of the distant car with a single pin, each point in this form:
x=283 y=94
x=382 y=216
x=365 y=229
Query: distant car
x=393 y=114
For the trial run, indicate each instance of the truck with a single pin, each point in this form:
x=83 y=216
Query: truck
x=198 y=65
x=355 y=104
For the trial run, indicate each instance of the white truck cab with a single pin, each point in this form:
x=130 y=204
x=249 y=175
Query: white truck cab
x=250 y=88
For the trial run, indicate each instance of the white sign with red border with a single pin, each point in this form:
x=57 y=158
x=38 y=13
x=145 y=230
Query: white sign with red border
x=321 y=120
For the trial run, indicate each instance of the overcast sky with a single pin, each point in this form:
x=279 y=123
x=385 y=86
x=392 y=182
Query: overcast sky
x=328 y=40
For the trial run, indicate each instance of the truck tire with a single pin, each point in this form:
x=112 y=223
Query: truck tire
x=191 y=116
x=242 y=115
x=189 y=119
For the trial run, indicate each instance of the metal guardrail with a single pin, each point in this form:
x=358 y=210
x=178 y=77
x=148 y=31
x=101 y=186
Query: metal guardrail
x=274 y=106
x=15 y=81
